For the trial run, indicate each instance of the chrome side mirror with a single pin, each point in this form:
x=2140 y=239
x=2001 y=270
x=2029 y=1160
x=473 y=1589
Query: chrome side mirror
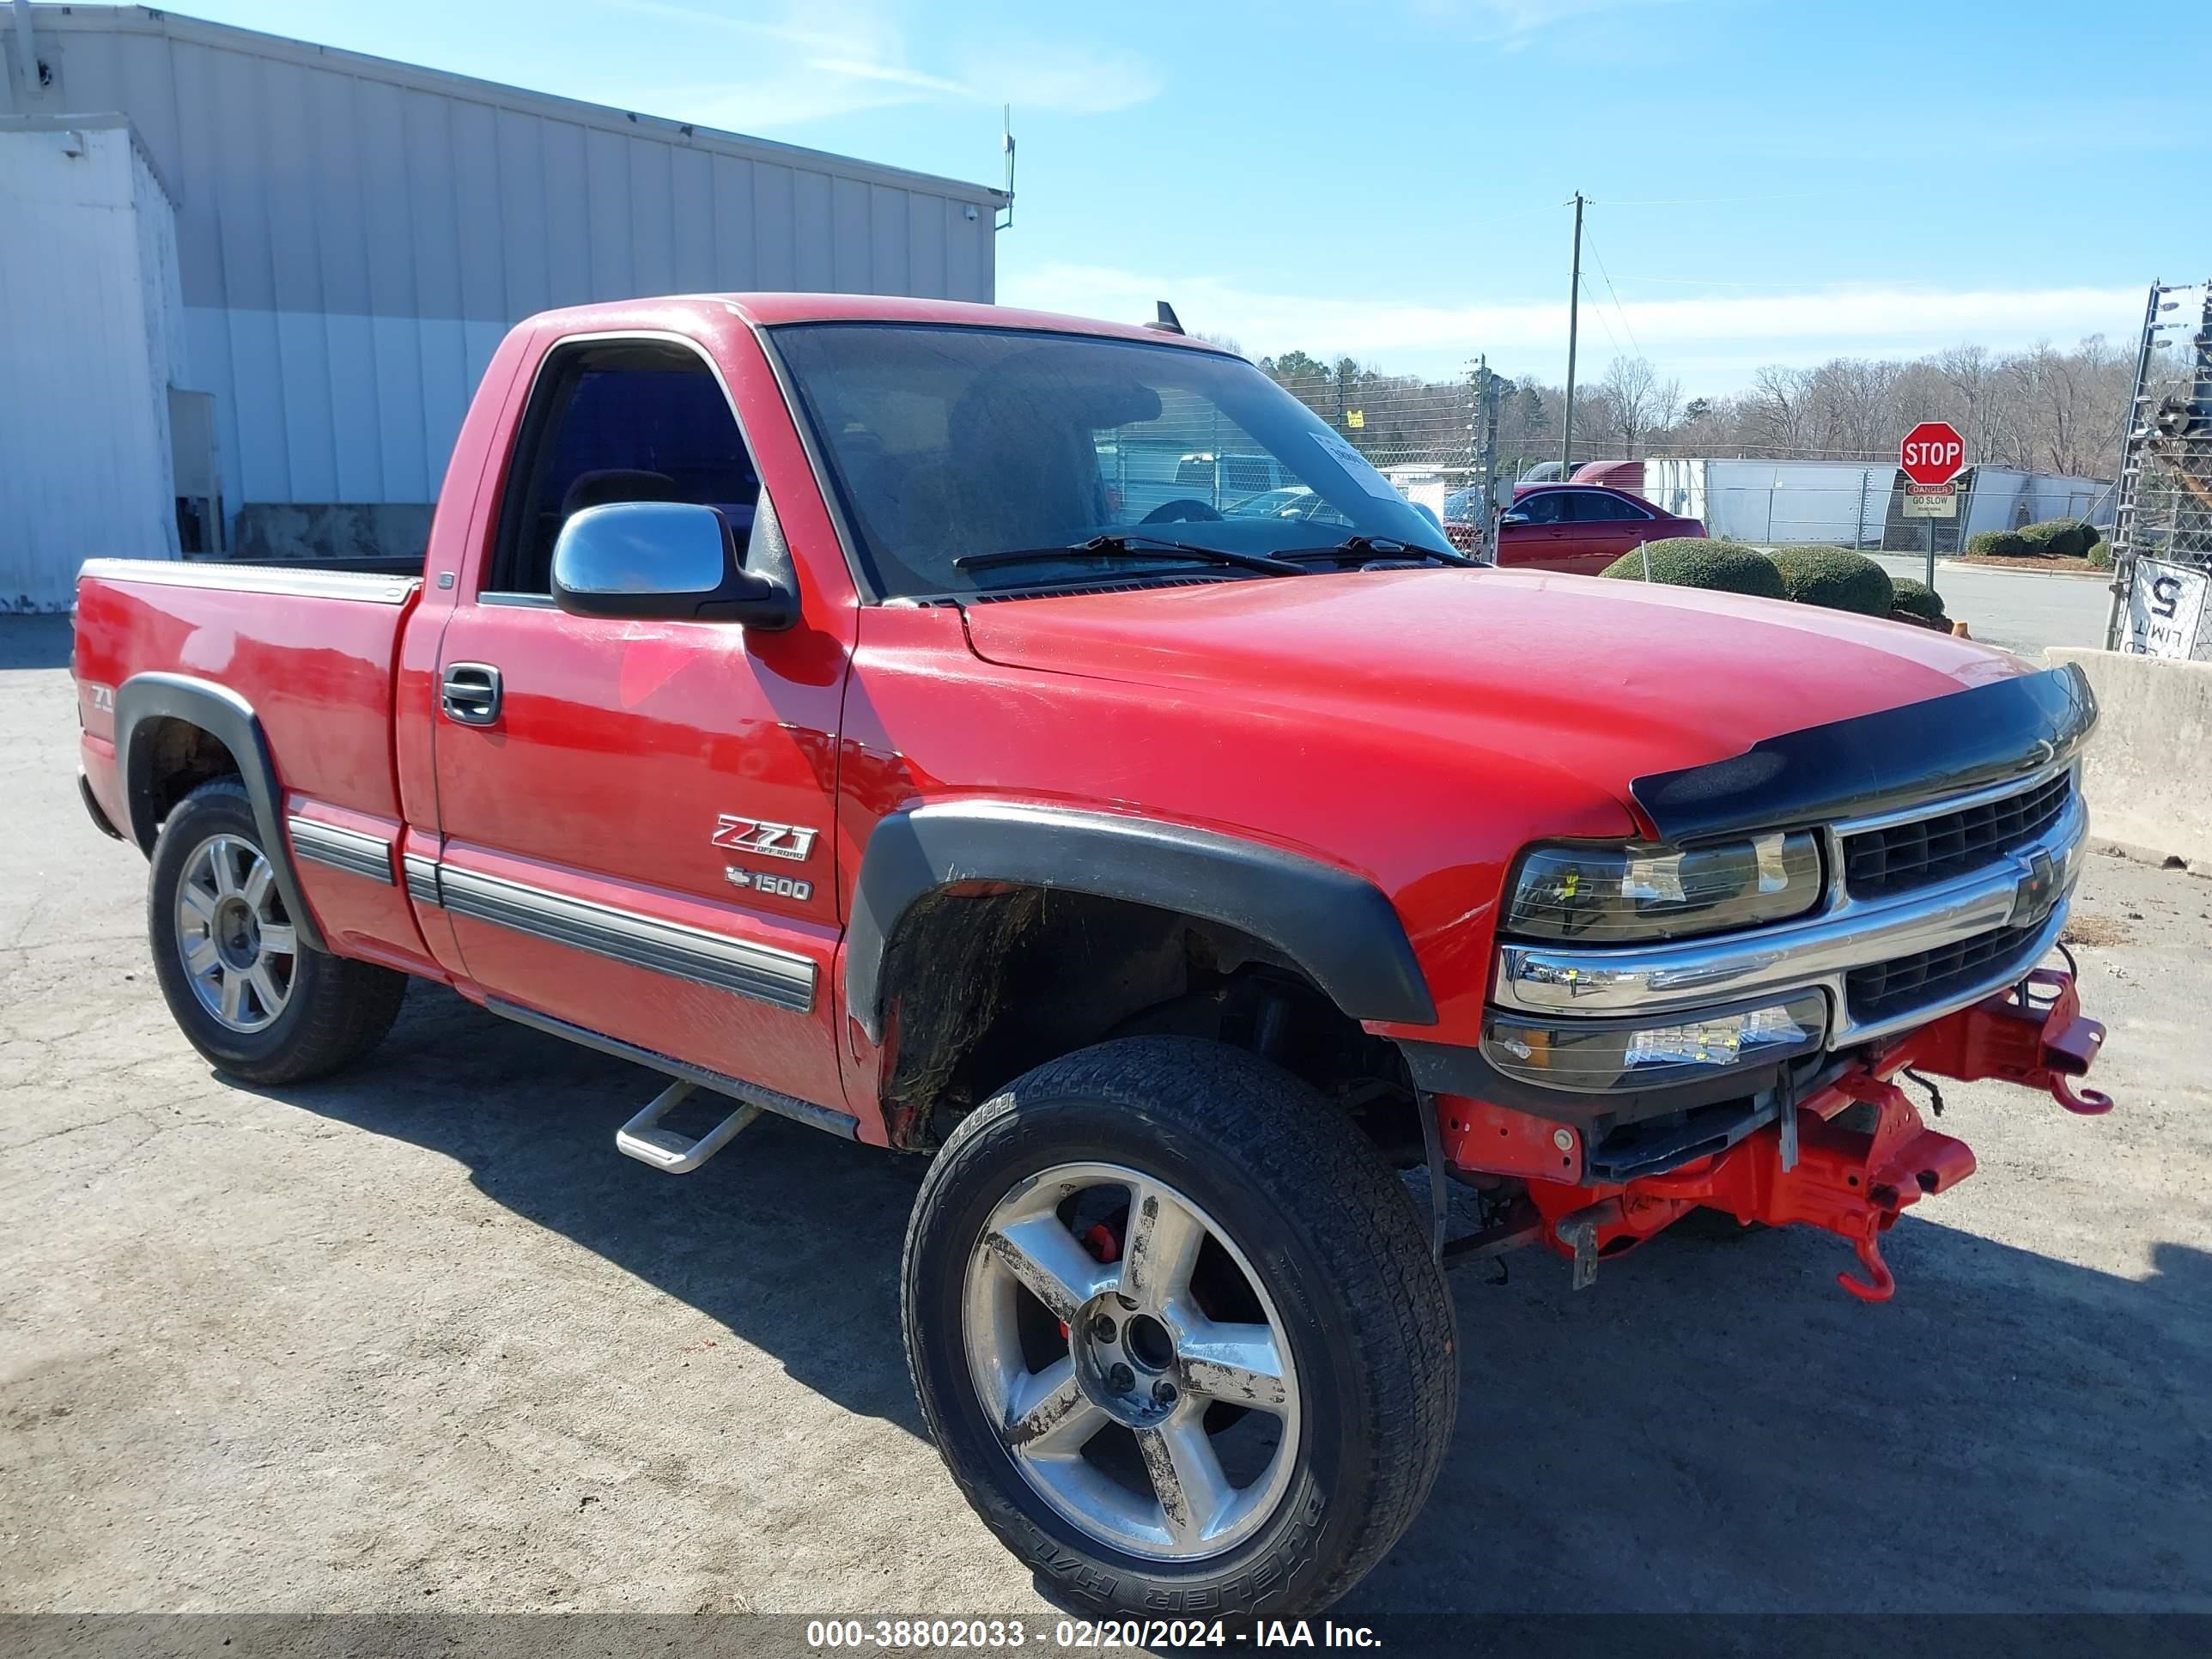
x=676 y=561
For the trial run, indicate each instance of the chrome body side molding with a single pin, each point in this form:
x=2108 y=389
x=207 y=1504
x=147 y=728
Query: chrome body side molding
x=782 y=978
x=349 y=850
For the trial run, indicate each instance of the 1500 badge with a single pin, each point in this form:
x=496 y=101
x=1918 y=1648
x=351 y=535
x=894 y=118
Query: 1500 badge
x=790 y=887
x=775 y=841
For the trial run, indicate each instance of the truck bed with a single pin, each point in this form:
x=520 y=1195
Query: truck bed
x=312 y=650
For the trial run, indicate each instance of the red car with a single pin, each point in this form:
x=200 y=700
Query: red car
x=1580 y=528
x=787 y=706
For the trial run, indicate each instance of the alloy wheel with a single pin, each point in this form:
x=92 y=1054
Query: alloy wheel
x=239 y=948
x=1132 y=1363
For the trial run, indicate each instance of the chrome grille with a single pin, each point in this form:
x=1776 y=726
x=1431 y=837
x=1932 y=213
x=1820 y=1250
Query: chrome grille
x=1903 y=856
x=1927 y=978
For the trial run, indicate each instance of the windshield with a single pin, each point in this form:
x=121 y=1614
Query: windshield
x=950 y=442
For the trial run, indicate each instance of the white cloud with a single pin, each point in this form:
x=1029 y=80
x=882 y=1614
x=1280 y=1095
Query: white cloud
x=1514 y=22
x=1709 y=340
x=822 y=60
x=1065 y=80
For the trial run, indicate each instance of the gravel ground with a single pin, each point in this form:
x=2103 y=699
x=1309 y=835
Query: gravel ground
x=417 y=1340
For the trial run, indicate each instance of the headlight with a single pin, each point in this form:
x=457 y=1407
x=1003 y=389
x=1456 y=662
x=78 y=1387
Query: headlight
x=1653 y=1051
x=1603 y=894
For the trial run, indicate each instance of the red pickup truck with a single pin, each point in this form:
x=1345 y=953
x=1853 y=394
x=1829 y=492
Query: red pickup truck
x=787 y=704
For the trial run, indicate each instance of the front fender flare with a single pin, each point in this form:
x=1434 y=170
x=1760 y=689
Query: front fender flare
x=1335 y=926
x=230 y=720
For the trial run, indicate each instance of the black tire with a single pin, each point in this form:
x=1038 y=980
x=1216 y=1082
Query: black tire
x=338 y=1009
x=1335 y=1241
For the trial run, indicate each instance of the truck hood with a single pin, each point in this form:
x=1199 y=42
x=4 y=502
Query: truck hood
x=1607 y=680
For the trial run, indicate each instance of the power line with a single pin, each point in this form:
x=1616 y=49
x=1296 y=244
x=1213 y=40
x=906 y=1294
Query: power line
x=1600 y=315
x=1712 y=201
x=1617 y=306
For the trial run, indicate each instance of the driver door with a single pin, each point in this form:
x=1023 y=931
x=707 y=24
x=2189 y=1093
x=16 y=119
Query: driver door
x=635 y=812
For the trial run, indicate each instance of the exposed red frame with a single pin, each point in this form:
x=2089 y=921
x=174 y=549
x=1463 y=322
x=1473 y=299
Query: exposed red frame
x=1843 y=1180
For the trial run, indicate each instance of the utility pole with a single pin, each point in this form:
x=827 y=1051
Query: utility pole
x=1574 y=319
x=1487 y=419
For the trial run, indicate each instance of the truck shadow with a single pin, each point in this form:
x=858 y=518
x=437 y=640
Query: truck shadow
x=1715 y=1426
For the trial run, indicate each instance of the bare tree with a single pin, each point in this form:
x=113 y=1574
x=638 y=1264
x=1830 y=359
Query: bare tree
x=1634 y=400
x=1772 y=413
x=2041 y=409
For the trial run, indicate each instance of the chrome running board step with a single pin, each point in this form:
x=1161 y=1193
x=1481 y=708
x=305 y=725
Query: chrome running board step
x=643 y=1138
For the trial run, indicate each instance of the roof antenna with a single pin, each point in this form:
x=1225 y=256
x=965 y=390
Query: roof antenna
x=1166 y=322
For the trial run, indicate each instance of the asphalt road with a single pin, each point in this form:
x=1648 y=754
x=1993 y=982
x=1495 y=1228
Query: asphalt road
x=2018 y=609
x=417 y=1340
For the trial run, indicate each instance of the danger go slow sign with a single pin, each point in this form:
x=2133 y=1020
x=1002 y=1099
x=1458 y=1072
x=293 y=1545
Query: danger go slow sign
x=1932 y=453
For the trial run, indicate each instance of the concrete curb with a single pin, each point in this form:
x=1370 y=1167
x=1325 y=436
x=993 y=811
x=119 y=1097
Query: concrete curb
x=2148 y=777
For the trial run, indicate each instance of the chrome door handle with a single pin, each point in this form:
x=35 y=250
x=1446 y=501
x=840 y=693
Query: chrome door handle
x=469 y=693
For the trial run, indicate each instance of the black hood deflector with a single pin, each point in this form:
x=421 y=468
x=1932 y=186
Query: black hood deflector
x=1872 y=763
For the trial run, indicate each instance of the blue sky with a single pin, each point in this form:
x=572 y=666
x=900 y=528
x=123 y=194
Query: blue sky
x=1771 y=180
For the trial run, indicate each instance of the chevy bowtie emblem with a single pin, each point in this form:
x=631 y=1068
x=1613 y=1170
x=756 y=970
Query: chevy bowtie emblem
x=775 y=841
x=2037 y=892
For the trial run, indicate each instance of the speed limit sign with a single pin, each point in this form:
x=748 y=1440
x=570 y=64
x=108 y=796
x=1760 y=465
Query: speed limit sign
x=2167 y=616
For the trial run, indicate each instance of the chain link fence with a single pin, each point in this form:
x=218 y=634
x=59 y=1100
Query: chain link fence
x=2162 y=543
x=1427 y=437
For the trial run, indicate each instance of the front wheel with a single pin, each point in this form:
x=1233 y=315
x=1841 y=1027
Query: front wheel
x=1175 y=1330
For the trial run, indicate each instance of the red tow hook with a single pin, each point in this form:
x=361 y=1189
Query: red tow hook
x=1880 y=1284
x=2089 y=1103
x=2037 y=1037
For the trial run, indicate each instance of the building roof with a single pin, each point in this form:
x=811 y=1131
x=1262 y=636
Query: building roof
x=147 y=20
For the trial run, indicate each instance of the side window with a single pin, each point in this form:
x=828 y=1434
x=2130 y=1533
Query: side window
x=628 y=421
x=1594 y=507
x=1549 y=507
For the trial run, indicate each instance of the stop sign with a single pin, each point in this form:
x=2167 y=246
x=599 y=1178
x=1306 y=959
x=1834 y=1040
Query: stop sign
x=1932 y=453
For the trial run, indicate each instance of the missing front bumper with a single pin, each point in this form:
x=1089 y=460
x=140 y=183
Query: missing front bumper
x=1805 y=1169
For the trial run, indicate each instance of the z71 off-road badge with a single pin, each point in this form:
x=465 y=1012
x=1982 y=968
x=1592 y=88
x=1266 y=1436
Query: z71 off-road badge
x=774 y=841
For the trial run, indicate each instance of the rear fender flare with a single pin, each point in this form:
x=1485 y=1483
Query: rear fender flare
x=230 y=720
x=1336 y=925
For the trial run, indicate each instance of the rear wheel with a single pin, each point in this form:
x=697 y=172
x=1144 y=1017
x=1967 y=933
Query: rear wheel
x=1175 y=1330
x=255 y=999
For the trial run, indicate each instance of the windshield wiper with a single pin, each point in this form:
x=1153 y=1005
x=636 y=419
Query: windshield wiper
x=1129 y=547
x=1382 y=547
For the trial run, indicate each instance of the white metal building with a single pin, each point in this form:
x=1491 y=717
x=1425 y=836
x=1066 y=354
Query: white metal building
x=329 y=246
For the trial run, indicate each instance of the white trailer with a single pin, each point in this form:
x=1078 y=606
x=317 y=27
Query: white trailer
x=1768 y=503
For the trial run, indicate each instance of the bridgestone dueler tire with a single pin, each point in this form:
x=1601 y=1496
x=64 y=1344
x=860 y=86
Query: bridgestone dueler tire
x=338 y=1009
x=1340 y=1251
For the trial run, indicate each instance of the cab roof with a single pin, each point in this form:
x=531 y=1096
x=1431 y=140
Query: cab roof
x=771 y=310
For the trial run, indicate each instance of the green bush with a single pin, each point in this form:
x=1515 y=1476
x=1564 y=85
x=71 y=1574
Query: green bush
x=2100 y=556
x=2000 y=544
x=2056 y=539
x=1696 y=562
x=2090 y=536
x=1918 y=599
x=1836 y=579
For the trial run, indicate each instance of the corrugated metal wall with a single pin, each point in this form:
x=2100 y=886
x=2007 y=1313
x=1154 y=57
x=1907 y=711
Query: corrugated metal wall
x=356 y=235
x=89 y=324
